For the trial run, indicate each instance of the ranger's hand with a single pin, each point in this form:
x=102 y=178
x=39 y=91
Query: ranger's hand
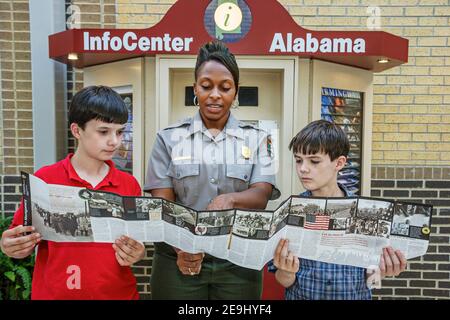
x=222 y=202
x=189 y=263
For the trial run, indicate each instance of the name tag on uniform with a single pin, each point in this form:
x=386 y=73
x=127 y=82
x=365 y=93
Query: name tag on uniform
x=181 y=158
x=246 y=152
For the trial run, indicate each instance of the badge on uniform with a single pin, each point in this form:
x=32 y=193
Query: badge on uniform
x=246 y=152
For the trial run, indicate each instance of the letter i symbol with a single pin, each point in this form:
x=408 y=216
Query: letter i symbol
x=226 y=20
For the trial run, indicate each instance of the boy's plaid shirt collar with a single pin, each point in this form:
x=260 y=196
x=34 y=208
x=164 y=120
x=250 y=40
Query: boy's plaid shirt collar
x=347 y=193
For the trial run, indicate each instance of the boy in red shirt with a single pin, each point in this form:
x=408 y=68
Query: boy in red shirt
x=88 y=270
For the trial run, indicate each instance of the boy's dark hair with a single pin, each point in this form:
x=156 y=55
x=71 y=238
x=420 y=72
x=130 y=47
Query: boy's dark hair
x=97 y=102
x=321 y=136
x=218 y=51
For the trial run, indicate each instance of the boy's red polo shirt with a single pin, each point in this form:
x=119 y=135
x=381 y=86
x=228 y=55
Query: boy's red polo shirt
x=57 y=264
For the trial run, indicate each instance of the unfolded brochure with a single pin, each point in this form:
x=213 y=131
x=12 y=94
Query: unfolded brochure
x=349 y=231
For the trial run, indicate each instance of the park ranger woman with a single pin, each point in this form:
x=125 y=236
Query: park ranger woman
x=211 y=161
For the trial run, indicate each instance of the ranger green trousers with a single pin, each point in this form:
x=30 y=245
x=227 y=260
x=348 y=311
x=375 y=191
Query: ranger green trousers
x=218 y=280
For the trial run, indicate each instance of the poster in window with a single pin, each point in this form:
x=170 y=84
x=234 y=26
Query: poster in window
x=345 y=108
x=123 y=159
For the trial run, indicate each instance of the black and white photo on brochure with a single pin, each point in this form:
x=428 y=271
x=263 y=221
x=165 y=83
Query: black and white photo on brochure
x=105 y=204
x=62 y=216
x=302 y=206
x=151 y=207
x=214 y=222
x=280 y=217
x=252 y=224
x=341 y=211
x=412 y=220
x=179 y=215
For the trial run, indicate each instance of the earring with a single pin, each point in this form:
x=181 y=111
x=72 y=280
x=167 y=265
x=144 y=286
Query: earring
x=196 y=101
x=235 y=104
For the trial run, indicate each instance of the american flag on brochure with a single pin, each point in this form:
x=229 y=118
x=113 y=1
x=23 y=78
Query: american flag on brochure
x=317 y=222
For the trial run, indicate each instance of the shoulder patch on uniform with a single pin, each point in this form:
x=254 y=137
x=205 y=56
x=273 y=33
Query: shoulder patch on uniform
x=269 y=146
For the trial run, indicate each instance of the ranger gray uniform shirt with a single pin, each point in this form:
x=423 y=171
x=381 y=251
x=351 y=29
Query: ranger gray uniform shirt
x=199 y=167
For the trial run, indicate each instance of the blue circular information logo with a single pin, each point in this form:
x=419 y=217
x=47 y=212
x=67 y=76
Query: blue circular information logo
x=228 y=20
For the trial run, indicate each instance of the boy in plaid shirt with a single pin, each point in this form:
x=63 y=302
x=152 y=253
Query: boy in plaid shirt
x=320 y=151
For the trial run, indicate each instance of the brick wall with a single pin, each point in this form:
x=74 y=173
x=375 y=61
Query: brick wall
x=426 y=277
x=141 y=13
x=16 y=142
x=411 y=122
